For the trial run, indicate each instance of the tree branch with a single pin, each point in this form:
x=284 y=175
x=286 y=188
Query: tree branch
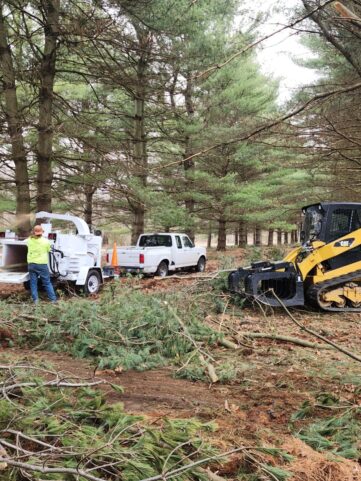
x=266 y=37
x=273 y=123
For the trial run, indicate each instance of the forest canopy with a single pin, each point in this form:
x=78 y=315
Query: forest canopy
x=157 y=114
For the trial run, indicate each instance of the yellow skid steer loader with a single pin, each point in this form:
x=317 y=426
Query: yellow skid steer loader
x=325 y=271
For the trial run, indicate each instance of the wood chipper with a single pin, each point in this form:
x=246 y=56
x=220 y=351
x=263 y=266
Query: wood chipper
x=75 y=257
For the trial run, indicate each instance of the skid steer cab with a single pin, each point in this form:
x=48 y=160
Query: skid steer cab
x=74 y=260
x=324 y=271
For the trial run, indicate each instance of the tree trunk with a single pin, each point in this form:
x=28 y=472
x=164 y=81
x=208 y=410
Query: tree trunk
x=279 y=237
x=138 y=225
x=270 y=237
x=188 y=165
x=222 y=235
x=45 y=124
x=209 y=240
x=90 y=170
x=88 y=208
x=140 y=152
x=286 y=238
x=257 y=236
x=14 y=129
x=236 y=234
x=350 y=55
x=242 y=236
x=140 y=156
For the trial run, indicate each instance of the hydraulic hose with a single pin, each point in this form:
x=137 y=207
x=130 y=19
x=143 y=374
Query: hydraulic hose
x=53 y=263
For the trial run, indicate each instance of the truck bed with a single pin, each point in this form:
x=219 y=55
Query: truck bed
x=13 y=277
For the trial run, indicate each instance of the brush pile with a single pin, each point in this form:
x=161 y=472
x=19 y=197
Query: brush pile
x=125 y=329
x=62 y=429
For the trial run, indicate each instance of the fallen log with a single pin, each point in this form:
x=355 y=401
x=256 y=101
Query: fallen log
x=293 y=340
x=210 y=369
x=3 y=454
x=210 y=475
x=229 y=344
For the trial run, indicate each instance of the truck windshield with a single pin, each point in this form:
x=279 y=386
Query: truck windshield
x=155 y=240
x=312 y=224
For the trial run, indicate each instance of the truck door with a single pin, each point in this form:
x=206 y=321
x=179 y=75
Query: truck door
x=179 y=256
x=190 y=254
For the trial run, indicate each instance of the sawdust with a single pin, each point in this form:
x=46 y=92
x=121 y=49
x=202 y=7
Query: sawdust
x=310 y=465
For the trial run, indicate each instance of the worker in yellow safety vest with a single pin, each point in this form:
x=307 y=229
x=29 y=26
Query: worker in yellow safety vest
x=38 y=254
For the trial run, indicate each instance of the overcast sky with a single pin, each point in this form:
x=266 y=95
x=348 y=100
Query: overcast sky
x=276 y=53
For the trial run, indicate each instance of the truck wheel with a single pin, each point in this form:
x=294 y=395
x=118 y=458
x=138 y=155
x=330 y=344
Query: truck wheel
x=201 y=265
x=92 y=283
x=162 y=270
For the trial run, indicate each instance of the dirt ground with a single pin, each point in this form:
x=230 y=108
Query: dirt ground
x=274 y=378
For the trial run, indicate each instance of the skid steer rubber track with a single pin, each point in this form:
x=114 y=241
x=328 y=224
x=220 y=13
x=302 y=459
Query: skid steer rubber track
x=314 y=292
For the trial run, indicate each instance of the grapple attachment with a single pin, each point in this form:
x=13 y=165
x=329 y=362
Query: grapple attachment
x=267 y=282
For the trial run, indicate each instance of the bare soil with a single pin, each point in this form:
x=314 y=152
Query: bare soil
x=8 y=290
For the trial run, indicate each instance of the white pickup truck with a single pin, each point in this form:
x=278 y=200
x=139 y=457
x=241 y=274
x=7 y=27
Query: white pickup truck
x=159 y=254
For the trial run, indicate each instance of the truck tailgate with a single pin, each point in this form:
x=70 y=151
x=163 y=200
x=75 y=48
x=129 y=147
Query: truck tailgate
x=129 y=257
x=13 y=277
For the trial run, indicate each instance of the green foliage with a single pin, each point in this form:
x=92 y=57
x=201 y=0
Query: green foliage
x=276 y=473
x=305 y=410
x=339 y=434
x=283 y=455
x=256 y=468
x=89 y=433
x=166 y=214
x=6 y=204
x=124 y=328
x=227 y=372
x=82 y=431
x=276 y=253
x=253 y=254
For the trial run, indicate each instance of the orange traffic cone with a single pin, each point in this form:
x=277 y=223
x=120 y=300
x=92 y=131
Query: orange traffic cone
x=114 y=263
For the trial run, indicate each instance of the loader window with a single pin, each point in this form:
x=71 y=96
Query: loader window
x=312 y=224
x=356 y=220
x=341 y=223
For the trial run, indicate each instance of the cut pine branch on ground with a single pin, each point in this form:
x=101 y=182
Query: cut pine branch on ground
x=78 y=434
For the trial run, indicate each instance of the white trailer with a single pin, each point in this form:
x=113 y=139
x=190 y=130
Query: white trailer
x=75 y=257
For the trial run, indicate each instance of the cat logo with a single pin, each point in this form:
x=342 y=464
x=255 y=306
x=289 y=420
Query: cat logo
x=344 y=243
